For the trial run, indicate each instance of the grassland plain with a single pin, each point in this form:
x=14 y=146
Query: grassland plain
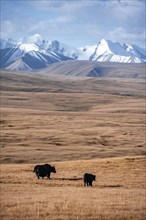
x=118 y=193
x=84 y=125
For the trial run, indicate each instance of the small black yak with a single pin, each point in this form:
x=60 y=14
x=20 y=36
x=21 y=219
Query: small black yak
x=88 y=179
x=44 y=170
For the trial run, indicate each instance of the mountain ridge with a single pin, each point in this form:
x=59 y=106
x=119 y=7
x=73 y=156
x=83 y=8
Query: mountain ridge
x=27 y=53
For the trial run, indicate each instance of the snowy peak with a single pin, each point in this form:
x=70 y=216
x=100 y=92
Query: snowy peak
x=135 y=50
x=110 y=51
x=50 y=46
x=7 y=43
x=63 y=49
x=87 y=52
x=28 y=47
x=35 y=39
x=112 y=47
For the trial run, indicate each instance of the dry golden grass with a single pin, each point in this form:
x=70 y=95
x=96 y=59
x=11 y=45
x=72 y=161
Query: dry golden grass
x=118 y=193
x=72 y=124
x=98 y=126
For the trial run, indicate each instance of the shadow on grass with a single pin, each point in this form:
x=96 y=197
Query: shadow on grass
x=117 y=185
x=68 y=179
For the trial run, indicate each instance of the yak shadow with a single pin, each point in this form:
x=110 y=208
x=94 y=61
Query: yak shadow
x=68 y=179
x=111 y=186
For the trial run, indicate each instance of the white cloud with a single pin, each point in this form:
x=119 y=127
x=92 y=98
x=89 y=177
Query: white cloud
x=119 y=34
x=61 y=6
x=64 y=19
x=8 y=28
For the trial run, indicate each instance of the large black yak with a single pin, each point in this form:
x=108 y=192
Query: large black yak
x=44 y=170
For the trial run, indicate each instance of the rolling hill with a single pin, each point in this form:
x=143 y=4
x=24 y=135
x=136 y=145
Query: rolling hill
x=96 y=69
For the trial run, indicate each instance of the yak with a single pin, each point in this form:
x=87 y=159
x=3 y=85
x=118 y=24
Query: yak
x=88 y=179
x=44 y=170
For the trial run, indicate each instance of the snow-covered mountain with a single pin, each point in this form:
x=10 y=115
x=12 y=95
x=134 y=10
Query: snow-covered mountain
x=7 y=43
x=34 y=52
x=28 y=56
x=63 y=49
x=35 y=39
x=137 y=51
x=108 y=51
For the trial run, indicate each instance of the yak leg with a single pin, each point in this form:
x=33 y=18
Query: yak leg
x=91 y=183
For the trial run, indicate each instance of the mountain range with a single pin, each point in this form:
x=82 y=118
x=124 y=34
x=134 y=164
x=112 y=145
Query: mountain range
x=34 y=53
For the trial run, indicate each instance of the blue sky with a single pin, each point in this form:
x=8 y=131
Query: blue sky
x=75 y=22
